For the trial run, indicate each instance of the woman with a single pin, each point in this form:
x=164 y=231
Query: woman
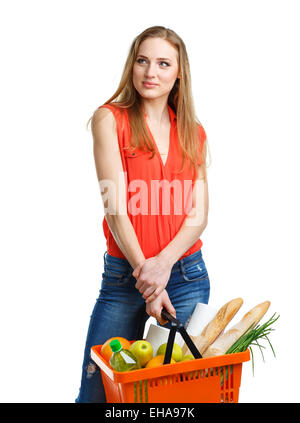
x=150 y=157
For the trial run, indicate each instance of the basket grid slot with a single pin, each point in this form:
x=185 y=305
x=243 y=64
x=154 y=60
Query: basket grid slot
x=140 y=391
x=227 y=383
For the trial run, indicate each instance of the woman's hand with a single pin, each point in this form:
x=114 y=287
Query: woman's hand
x=155 y=307
x=152 y=277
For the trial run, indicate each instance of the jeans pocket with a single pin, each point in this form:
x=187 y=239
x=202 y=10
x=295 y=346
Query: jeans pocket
x=195 y=271
x=115 y=275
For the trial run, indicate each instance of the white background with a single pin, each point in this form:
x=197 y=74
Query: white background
x=60 y=61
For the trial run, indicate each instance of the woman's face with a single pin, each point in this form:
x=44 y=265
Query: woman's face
x=156 y=62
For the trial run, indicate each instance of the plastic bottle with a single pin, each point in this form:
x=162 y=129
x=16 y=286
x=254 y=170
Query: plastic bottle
x=122 y=360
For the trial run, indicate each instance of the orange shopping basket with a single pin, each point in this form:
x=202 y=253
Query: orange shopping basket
x=203 y=380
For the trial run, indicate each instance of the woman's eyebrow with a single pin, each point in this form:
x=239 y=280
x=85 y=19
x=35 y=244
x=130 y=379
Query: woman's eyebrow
x=158 y=58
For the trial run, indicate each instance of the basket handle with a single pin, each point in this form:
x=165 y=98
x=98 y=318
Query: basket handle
x=177 y=325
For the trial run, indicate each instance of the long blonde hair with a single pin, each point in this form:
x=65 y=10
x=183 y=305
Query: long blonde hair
x=180 y=100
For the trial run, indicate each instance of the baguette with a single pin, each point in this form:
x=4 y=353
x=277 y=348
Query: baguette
x=215 y=327
x=225 y=341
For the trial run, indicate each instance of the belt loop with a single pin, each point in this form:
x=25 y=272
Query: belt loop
x=181 y=265
x=104 y=256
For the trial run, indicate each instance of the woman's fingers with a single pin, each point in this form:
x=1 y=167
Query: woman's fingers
x=149 y=292
x=161 y=320
x=168 y=306
x=157 y=315
x=153 y=295
x=146 y=289
x=155 y=307
x=142 y=287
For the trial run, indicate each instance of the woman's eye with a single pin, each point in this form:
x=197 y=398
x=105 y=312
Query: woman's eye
x=139 y=61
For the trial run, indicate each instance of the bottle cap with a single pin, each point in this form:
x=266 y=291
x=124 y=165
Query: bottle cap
x=115 y=345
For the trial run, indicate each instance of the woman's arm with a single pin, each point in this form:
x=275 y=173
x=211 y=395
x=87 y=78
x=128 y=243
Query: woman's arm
x=190 y=231
x=113 y=191
x=112 y=183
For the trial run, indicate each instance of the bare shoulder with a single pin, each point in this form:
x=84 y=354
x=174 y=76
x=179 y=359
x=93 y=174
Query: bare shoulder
x=104 y=118
x=104 y=129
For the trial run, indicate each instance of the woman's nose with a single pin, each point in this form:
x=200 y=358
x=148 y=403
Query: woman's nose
x=150 y=70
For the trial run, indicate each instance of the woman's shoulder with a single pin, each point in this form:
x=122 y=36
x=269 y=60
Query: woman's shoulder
x=114 y=108
x=108 y=112
x=102 y=115
x=116 y=112
x=112 y=118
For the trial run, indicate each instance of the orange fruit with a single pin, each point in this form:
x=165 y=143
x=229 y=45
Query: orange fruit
x=157 y=361
x=106 y=351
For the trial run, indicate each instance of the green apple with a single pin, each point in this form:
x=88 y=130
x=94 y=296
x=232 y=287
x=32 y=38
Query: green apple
x=142 y=350
x=176 y=352
x=188 y=357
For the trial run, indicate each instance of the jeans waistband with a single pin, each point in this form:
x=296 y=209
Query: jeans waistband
x=124 y=264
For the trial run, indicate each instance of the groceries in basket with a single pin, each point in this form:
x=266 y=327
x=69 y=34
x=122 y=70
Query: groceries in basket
x=143 y=351
x=212 y=340
x=139 y=355
x=122 y=360
x=106 y=350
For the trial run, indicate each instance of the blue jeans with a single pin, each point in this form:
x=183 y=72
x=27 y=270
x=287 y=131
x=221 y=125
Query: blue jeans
x=120 y=310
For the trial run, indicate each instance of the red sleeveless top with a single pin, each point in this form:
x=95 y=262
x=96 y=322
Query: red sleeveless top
x=158 y=197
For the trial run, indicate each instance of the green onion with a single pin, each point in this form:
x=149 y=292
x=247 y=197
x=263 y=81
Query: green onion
x=251 y=337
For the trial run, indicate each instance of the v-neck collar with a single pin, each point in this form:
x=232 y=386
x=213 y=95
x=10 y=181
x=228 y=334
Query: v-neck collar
x=172 y=116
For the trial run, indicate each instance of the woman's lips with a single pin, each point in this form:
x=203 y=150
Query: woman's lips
x=149 y=85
